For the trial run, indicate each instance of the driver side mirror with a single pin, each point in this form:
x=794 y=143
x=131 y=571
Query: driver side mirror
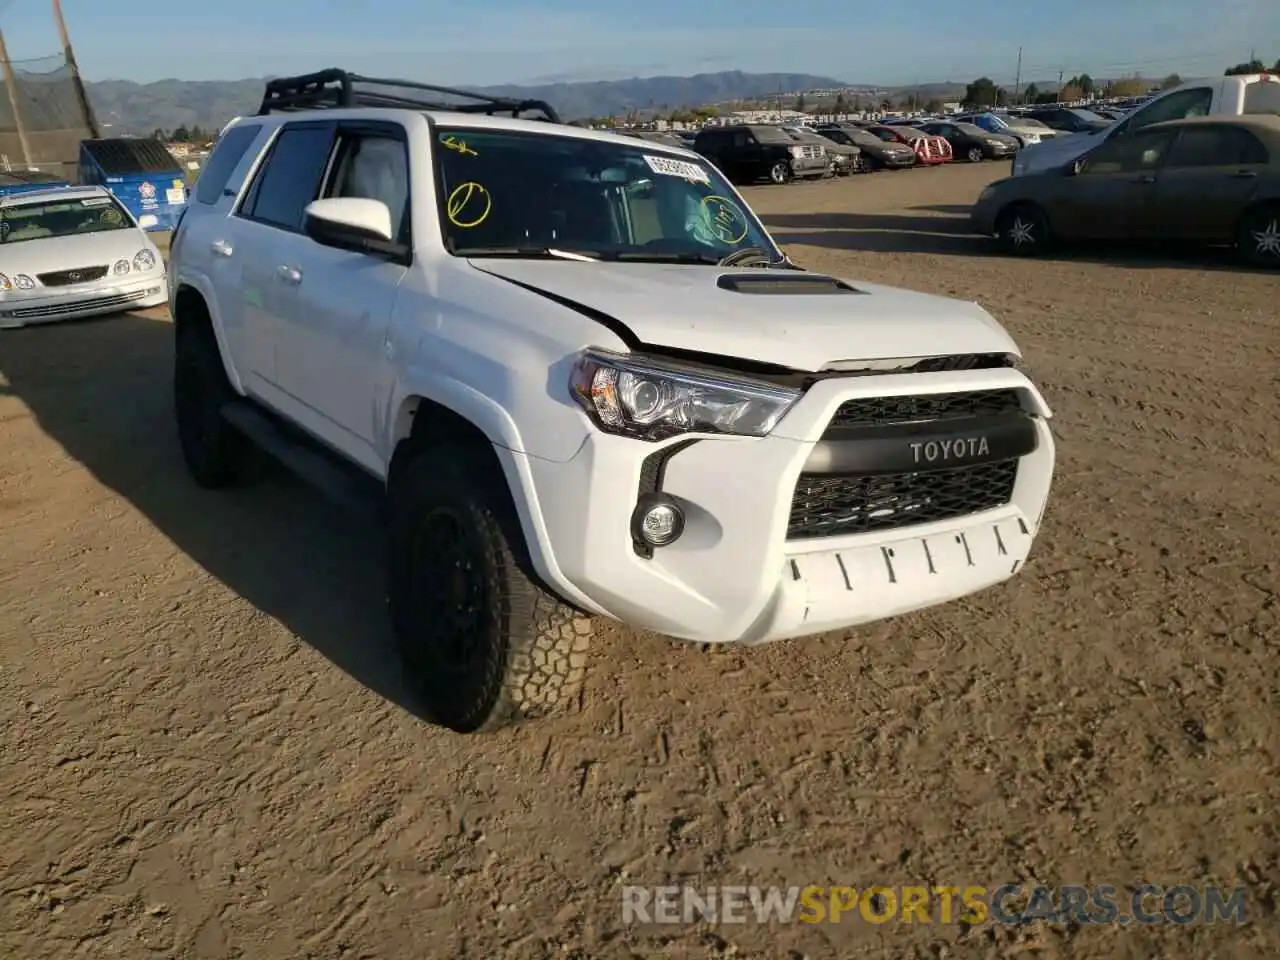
x=353 y=223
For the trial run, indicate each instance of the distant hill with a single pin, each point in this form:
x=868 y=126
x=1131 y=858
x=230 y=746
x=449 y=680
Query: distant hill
x=140 y=108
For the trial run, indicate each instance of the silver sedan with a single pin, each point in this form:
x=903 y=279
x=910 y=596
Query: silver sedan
x=71 y=252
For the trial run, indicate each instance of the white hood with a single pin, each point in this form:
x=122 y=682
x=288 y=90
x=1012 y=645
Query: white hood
x=680 y=306
x=68 y=253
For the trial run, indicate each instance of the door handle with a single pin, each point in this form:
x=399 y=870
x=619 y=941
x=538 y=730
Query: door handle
x=290 y=275
x=1243 y=175
x=221 y=248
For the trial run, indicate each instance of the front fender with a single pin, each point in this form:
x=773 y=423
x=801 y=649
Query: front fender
x=501 y=430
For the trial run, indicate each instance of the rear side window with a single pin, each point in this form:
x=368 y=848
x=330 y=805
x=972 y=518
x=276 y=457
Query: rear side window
x=290 y=177
x=1216 y=147
x=223 y=161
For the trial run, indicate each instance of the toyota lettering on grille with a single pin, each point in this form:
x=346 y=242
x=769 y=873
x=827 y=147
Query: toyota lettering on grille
x=935 y=451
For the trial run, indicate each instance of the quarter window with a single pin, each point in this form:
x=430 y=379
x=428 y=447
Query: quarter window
x=226 y=156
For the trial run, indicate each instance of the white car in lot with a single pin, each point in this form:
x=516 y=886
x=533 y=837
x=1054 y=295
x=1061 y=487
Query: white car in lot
x=579 y=378
x=71 y=252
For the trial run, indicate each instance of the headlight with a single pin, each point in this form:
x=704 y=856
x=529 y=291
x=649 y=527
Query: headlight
x=121 y=268
x=651 y=400
x=23 y=282
x=796 y=152
x=144 y=260
x=4 y=283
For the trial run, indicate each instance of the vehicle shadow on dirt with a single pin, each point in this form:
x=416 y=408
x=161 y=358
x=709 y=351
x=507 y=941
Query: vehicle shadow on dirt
x=952 y=235
x=102 y=390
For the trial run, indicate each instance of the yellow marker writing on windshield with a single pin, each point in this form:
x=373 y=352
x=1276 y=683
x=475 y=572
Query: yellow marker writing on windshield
x=453 y=143
x=728 y=222
x=468 y=205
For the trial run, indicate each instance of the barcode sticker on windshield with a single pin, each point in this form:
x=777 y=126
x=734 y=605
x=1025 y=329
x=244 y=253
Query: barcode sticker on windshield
x=95 y=201
x=670 y=167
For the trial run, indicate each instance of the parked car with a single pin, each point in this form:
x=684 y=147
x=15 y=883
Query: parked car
x=843 y=158
x=577 y=378
x=750 y=152
x=1212 y=179
x=653 y=136
x=1070 y=119
x=1023 y=129
x=877 y=154
x=972 y=143
x=930 y=150
x=1257 y=93
x=73 y=252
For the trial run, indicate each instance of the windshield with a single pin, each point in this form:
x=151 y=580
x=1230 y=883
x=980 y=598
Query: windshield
x=995 y=122
x=506 y=193
x=61 y=218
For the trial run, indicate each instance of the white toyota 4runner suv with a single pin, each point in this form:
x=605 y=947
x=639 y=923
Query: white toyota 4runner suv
x=579 y=378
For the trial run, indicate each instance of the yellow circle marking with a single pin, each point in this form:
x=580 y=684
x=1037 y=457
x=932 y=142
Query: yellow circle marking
x=110 y=215
x=468 y=196
x=726 y=218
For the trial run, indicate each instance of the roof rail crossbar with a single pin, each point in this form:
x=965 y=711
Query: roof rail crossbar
x=338 y=88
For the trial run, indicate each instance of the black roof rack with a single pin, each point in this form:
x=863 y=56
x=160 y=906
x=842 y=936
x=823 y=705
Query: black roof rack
x=338 y=88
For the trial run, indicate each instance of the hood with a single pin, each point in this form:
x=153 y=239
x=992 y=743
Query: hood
x=696 y=308
x=1053 y=152
x=67 y=253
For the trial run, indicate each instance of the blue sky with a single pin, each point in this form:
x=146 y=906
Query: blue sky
x=496 y=41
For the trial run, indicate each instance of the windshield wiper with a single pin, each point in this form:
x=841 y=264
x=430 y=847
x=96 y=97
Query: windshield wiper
x=640 y=256
x=529 y=253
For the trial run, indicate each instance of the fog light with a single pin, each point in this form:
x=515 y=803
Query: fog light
x=657 y=522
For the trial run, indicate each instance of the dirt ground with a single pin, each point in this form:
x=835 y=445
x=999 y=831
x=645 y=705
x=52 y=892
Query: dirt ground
x=205 y=755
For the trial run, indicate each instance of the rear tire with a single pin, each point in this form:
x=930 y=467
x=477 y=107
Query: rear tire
x=216 y=454
x=1023 y=230
x=481 y=643
x=1258 y=239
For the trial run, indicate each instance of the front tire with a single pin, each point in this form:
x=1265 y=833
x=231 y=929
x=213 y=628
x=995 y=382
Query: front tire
x=975 y=155
x=482 y=644
x=1023 y=230
x=780 y=172
x=216 y=454
x=1258 y=239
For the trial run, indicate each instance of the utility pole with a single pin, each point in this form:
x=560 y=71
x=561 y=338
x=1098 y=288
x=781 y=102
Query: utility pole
x=11 y=85
x=1060 y=73
x=1017 y=80
x=86 y=109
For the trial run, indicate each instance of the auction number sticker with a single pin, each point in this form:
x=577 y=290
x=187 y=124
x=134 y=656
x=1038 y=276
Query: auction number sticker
x=175 y=195
x=670 y=167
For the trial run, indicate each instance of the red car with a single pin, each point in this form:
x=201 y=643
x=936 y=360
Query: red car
x=929 y=149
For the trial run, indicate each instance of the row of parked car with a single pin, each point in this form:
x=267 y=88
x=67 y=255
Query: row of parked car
x=782 y=153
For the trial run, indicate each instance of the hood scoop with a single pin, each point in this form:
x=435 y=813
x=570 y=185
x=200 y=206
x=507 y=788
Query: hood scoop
x=794 y=285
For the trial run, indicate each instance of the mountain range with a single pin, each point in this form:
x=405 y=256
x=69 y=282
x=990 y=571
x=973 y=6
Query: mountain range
x=140 y=108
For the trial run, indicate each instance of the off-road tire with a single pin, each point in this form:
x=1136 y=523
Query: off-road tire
x=216 y=454
x=527 y=650
x=781 y=172
x=1027 y=221
x=1261 y=222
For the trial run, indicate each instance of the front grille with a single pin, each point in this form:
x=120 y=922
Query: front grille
x=879 y=411
x=70 y=307
x=65 y=278
x=826 y=506
x=810 y=151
